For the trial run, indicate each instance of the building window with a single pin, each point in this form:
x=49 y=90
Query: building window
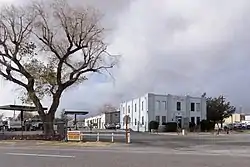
x=163 y=119
x=135 y=107
x=178 y=106
x=198 y=120
x=128 y=109
x=157 y=118
x=158 y=105
x=135 y=121
x=142 y=120
x=192 y=106
x=192 y=120
x=164 y=105
x=142 y=106
x=198 y=106
x=123 y=109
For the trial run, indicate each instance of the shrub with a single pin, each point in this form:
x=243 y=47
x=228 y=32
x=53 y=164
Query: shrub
x=191 y=126
x=206 y=125
x=171 y=127
x=153 y=125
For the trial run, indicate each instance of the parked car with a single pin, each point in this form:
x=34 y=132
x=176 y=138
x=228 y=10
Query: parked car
x=243 y=126
x=229 y=126
x=109 y=126
x=118 y=126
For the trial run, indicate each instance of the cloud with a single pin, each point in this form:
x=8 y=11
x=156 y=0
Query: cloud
x=180 y=47
x=177 y=47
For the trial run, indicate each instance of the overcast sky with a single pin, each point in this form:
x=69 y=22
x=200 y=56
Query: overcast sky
x=168 y=46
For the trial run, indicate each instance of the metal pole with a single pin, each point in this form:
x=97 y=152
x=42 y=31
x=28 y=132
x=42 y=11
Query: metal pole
x=75 y=123
x=112 y=138
x=21 y=115
x=98 y=137
x=126 y=122
x=128 y=137
x=14 y=110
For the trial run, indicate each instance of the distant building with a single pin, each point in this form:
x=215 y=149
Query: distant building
x=234 y=118
x=247 y=118
x=99 y=121
x=162 y=108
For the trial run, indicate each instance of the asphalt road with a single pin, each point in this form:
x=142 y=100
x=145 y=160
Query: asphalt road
x=16 y=156
x=170 y=141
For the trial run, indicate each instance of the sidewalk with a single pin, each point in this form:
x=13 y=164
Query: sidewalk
x=189 y=134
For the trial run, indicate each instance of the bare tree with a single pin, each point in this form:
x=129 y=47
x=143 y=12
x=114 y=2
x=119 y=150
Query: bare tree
x=47 y=48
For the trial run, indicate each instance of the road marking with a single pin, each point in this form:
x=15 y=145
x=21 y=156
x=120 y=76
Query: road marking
x=41 y=155
x=133 y=151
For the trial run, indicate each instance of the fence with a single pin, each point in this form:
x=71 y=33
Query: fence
x=97 y=137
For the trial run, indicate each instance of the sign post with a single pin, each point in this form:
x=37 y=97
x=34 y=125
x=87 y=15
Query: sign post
x=73 y=135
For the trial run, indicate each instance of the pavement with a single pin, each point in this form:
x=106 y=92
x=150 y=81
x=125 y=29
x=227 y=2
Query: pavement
x=146 y=151
x=117 y=156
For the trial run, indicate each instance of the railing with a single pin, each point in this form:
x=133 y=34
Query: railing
x=111 y=135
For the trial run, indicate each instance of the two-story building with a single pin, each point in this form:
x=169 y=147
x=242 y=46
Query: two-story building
x=161 y=108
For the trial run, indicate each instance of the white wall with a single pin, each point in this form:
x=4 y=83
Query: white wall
x=162 y=106
x=136 y=109
x=247 y=117
x=99 y=119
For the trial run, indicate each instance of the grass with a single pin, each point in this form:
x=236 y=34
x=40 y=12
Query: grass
x=7 y=142
x=79 y=144
x=56 y=143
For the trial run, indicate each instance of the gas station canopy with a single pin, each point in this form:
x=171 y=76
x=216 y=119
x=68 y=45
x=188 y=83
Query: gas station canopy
x=20 y=108
x=75 y=112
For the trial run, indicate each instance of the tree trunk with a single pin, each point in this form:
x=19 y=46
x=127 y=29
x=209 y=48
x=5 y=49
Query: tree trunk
x=50 y=117
x=48 y=124
x=221 y=124
x=218 y=132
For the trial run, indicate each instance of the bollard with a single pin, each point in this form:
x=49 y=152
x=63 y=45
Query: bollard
x=128 y=137
x=98 y=137
x=112 y=138
x=183 y=132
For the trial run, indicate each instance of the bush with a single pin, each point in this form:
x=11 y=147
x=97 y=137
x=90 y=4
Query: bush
x=207 y=125
x=153 y=125
x=171 y=127
x=191 y=126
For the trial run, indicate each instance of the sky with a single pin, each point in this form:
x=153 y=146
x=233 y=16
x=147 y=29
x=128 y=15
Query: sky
x=167 y=47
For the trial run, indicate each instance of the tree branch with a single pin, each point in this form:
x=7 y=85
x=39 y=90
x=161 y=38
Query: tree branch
x=9 y=77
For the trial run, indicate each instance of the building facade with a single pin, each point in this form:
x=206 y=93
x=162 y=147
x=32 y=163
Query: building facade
x=161 y=108
x=103 y=119
x=234 y=118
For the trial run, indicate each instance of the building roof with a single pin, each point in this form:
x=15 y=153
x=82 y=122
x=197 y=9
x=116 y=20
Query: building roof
x=20 y=108
x=77 y=112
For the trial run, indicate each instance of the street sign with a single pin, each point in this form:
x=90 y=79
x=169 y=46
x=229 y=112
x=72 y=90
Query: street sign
x=74 y=136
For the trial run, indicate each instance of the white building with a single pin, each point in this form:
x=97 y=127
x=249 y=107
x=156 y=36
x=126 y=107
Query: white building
x=102 y=119
x=162 y=108
x=99 y=120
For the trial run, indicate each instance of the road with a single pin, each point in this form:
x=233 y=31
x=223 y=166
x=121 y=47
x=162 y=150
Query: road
x=146 y=150
x=121 y=156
